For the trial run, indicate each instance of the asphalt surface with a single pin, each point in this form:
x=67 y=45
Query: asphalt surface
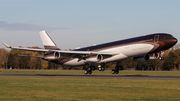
x=96 y=76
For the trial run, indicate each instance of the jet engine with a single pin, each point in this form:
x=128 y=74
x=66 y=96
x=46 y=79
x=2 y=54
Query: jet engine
x=142 y=58
x=102 y=57
x=52 y=56
x=99 y=57
x=57 y=55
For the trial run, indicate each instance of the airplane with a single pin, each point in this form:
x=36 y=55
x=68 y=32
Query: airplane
x=142 y=48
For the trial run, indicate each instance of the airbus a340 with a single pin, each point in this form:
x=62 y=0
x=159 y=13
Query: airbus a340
x=141 y=48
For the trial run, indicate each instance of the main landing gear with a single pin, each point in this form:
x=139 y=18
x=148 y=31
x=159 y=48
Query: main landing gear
x=101 y=67
x=92 y=68
x=89 y=70
x=116 y=70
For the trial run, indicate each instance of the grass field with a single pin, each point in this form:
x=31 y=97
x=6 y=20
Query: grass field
x=77 y=89
x=96 y=72
x=88 y=89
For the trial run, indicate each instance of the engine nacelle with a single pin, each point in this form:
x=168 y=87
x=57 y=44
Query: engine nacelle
x=57 y=55
x=154 y=56
x=99 y=57
x=144 y=58
x=52 y=56
x=102 y=57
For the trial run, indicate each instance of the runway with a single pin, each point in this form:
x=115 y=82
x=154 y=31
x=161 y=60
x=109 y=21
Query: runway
x=96 y=76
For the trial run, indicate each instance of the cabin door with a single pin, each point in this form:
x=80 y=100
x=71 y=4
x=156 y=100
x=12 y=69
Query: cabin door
x=156 y=38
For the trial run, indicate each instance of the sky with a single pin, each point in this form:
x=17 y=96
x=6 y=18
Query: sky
x=81 y=23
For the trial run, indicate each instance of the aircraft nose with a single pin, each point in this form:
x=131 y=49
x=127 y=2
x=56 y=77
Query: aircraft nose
x=174 y=41
x=169 y=43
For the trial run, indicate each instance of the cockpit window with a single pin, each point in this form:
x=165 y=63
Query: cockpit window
x=169 y=36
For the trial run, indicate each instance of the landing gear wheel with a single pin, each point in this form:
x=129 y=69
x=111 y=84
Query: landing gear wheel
x=117 y=71
x=93 y=68
x=89 y=68
x=90 y=72
x=113 y=71
x=86 y=72
x=117 y=68
x=100 y=69
x=161 y=58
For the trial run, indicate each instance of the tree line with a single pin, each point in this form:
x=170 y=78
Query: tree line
x=12 y=60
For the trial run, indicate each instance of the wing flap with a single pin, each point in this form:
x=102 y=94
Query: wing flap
x=86 y=52
x=31 y=56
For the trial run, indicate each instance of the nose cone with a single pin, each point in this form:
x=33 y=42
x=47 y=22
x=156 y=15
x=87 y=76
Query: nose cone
x=170 y=42
x=175 y=41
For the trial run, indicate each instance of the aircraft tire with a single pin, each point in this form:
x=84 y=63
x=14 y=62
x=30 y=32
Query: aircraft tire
x=113 y=71
x=100 y=69
x=90 y=72
x=89 y=68
x=117 y=71
x=93 y=68
x=162 y=58
x=85 y=71
x=117 y=68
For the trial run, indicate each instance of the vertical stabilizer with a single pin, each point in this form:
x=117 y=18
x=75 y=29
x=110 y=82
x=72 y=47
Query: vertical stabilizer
x=47 y=41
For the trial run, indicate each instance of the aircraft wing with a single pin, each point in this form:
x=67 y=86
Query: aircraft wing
x=31 y=56
x=68 y=54
x=83 y=54
x=27 y=49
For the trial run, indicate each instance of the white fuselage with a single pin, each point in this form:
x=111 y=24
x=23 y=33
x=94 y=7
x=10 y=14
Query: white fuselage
x=124 y=52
